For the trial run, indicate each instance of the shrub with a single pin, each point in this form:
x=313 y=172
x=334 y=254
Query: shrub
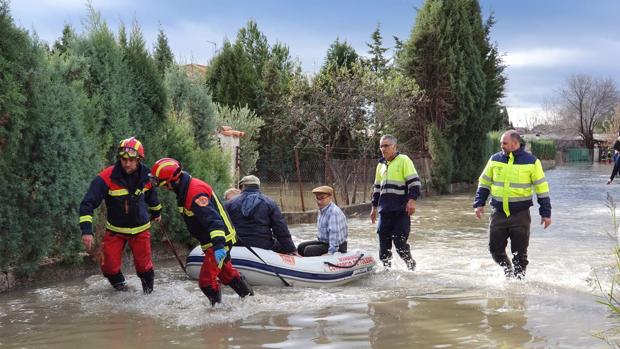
x=544 y=149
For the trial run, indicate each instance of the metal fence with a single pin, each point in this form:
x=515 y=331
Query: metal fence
x=351 y=178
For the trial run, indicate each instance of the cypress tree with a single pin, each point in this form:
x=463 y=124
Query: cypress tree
x=163 y=54
x=378 y=63
x=106 y=85
x=148 y=107
x=15 y=57
x=190 y=100
x=232 y=79
x=446 y=56
x=340 y=54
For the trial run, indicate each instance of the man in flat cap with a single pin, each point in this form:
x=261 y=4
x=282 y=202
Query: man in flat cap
x=258 y=220
x=331 y=223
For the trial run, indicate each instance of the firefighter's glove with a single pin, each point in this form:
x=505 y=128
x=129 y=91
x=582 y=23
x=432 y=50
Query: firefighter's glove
x=220 y=255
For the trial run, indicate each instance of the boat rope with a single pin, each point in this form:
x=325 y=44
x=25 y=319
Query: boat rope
x=273 y=269
x=346 y=267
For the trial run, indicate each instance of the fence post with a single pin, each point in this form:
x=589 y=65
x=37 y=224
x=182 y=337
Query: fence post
x=327 y=166
x=237 y=166
x=301 y=189
x=364 y=178
x=329 y=175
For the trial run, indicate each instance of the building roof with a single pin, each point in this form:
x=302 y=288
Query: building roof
x=195 y=71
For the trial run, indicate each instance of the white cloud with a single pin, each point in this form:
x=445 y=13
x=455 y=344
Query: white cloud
x=189 y=41
x=521 y=116
x=48 y=7
x=546 y=57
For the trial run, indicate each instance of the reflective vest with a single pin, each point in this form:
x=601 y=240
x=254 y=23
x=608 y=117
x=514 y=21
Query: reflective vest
x=127 y=213
x=204 y=215
x=396 y=181
x=511 y=179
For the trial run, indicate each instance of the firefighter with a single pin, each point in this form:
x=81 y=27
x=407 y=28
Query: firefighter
x=131 y=204
x=207 y=221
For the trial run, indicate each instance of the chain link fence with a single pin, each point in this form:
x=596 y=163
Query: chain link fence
x=352 y=178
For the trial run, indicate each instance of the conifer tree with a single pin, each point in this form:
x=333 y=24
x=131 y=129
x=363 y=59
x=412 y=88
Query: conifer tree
x=15 y=57
x=148 y=105
x=163 y=54
x=62 y=45
x=446 y=55
x=340 y=54
x=378 y=63
x=189 y=100
x=122 y=36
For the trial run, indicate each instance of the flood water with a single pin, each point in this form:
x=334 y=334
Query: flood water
x=457 y=297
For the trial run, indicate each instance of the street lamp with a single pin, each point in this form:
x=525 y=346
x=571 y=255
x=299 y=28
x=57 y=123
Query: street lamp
x=214 y=46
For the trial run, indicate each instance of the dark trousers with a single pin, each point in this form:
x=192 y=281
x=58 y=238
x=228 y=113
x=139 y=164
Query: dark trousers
x=517 y=229
x=394 y=227
x=616 y=168
x=317 y=248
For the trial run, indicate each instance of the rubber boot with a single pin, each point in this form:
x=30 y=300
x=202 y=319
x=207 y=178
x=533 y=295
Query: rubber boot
x=405 y=254
x=148 y=279
x=241 y=286
x=507 y=267
x=410 y=264
x=387 y=262
x=118 y=281
x=519 y=272
x=215 y=296
x=386 y=258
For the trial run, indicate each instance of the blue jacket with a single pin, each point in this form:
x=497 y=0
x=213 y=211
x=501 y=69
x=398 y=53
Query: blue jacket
x=258 y=221
x=130 y=200
x=203 y=213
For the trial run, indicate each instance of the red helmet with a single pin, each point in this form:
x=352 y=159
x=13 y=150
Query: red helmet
x=165 y=170
x=130 y=148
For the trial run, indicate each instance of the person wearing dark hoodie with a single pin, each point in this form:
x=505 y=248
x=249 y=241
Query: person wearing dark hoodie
x=258 y=220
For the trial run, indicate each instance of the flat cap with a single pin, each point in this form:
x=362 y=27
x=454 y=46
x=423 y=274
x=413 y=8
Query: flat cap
x=324 y=189
x=248 y=180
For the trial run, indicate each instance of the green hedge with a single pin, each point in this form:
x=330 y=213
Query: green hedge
x=492 y=143
x=544 y=149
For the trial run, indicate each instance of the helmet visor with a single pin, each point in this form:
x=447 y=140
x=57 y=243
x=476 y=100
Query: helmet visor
x=155 y=181
x=128 y=153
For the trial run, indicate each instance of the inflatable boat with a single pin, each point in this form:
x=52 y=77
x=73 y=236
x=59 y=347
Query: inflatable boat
x=268 y=268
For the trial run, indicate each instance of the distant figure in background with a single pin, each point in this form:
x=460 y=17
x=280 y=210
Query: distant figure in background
x=331 y=223
x=258 y=220
x=616 y=158
x=231 y=193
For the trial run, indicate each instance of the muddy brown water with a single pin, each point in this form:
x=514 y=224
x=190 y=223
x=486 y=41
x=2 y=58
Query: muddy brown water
x=457 y=297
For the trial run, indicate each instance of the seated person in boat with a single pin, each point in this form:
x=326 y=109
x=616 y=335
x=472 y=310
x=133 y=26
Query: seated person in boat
x=331 y=224
x=258 y=220
x=231 y=193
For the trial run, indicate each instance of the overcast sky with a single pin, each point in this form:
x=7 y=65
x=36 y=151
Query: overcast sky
x=544 y=41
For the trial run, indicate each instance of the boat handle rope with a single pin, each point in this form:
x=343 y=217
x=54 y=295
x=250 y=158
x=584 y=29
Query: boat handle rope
x=273 y=268
x=347 y=267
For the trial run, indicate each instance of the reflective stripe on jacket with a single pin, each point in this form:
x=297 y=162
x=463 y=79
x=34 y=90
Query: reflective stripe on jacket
x=511 y=181
x=204 y=215
x=127 y=213
x=396 y=181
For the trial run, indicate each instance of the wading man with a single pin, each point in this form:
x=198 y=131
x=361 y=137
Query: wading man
x=207 y=221
x=396 y=189
x=131 y=204
x=509 y=177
